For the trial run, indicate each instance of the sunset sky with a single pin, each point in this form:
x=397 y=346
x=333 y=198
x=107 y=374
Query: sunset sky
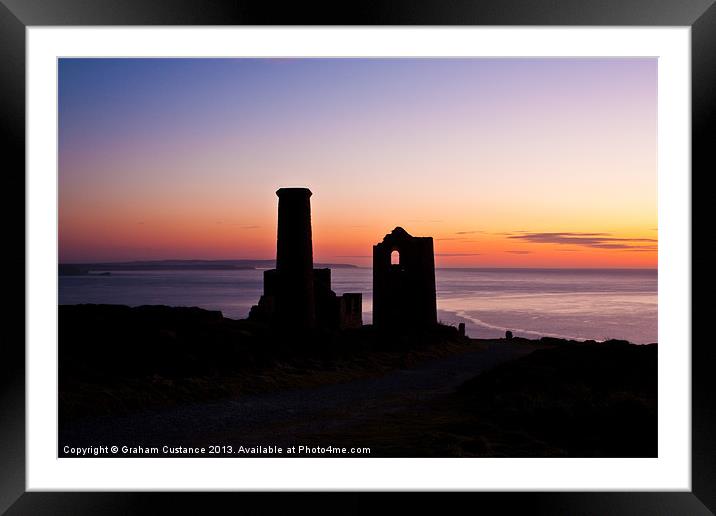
x=504 y=162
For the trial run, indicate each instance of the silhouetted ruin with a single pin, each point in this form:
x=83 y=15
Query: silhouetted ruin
x=297 y=296
x=404 y=282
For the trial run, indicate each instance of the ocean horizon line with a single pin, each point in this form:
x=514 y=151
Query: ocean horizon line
x=267 y=261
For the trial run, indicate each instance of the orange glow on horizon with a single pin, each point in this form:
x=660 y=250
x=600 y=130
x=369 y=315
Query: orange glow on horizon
x=504 y=162
x=174 y=236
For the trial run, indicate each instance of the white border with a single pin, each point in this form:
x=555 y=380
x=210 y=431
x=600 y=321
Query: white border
x=671 y=471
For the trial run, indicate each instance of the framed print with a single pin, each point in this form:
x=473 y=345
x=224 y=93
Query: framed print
x=418 y=249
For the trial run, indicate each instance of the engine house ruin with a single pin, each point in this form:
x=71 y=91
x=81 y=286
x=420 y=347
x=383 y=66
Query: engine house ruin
x=404 y=282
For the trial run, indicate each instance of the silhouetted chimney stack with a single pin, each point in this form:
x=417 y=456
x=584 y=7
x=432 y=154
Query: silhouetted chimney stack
x=295 y=303
x=297 y=296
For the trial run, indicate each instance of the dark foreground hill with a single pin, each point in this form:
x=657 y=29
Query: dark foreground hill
x=596 y=399
x=186 y=376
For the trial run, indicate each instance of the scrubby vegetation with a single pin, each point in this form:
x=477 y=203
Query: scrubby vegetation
x=115 y=359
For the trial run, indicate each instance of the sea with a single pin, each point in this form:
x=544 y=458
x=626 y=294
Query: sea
x=579 y=304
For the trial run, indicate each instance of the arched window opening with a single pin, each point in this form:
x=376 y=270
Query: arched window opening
x=395 y=258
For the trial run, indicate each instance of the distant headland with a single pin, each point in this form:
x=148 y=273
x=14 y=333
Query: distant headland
x=75 y=269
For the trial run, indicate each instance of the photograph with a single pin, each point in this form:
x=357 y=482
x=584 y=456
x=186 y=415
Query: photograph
x=308 y=256
x=357 y=257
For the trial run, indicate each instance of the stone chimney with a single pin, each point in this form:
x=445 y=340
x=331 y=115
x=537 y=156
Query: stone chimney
x=295 y=304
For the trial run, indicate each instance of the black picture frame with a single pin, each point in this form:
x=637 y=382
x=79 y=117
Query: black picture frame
x=16 y=15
